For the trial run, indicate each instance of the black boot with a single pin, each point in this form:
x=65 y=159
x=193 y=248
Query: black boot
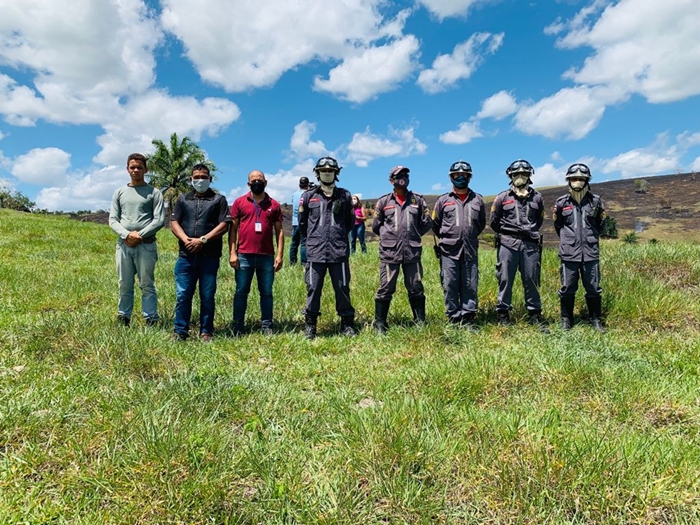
x=418 y=309
x=594 y=309
x=468 y=321
x=503 y=317
x=310 y=326
x=347 y=326
x=537 y=320
x=566 y=305
x=381 y=310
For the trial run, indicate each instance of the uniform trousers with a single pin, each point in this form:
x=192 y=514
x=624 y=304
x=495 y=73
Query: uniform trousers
x=389 y=274
x=590 y=276
x=314 y=276
x=526 y=259
x=460 y=281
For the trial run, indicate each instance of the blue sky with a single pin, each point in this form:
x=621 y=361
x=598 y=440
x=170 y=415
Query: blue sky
x=275 y=84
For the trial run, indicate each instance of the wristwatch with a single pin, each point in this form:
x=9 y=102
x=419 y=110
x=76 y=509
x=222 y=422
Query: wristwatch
x=203 y=239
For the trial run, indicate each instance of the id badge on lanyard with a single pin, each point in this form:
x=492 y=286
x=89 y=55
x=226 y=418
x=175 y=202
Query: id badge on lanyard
x=258 y=223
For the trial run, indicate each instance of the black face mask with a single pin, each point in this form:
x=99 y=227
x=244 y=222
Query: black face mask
x=257 y=187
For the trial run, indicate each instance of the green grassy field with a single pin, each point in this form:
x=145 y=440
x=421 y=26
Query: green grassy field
x=105 y=424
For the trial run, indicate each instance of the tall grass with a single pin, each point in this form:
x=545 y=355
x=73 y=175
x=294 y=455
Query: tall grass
x=105 y=424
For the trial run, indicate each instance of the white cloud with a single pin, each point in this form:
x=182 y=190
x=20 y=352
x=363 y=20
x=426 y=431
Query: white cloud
x=371 y=71
x=466 y=57
x=695 y=166
x=252 y=44
x=570 y=113
x=281 y=184
x=92 y=191
x=301 y=143
x=641 y=161
x=548 y=175
x=440 y=187
x=641 y=46
x=466 y=132
x=446 y=8
x=42 y=166
x=367 y=146
x=498 y=106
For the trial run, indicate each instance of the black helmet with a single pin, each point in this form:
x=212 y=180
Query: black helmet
x=579 y=170
x=461 y=167
x=520 y=165
x=327 y=162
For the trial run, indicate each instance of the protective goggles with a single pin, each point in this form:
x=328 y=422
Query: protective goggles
x=327 y=162
x=460 y=167
x=520 y=165
x=578 y=167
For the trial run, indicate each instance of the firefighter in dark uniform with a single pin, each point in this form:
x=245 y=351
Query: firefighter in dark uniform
x=516 y=216
x=400 y=219
x=325 y=219
x=458 y=218
x=578 y=220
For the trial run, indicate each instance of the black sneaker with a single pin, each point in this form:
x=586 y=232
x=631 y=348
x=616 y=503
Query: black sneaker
x=267 y=330
x=123 y=320
x=151 y=321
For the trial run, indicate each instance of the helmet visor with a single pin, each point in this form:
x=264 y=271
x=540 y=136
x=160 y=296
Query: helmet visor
x=520 y=165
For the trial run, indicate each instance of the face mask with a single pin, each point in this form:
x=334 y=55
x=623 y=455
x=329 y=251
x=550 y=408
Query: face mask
x=460 y=182
x=201 y=185
x=520 y=180
x=257 y=186
x=326 y=177
x=577 y=185
x=401 y=183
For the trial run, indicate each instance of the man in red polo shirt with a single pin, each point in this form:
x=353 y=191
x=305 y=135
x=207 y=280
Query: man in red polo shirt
x=255 y=217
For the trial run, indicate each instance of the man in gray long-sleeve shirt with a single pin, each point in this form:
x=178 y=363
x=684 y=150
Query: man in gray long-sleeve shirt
x=136 y=215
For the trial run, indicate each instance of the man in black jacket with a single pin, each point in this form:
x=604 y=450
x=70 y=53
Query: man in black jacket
x=199 y=220
x=325 y=219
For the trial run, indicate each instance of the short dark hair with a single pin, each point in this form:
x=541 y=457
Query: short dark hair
x=201 y=167
x=137 y=156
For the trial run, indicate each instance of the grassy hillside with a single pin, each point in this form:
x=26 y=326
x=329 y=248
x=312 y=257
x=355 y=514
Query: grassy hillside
x=105 y=424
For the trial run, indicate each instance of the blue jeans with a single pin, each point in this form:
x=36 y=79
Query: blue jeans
x=298 y=244
x=189 y=270
x=252 y=264
x=138 y=261
x=358 y=232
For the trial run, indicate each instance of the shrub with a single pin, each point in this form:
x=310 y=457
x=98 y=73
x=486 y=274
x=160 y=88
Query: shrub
x=630 y=238
x=641 y=186
x=609 y=228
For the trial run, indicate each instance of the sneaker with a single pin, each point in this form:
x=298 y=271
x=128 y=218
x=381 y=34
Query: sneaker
x=178 y=337
x=503 y=318
x=152 y=321
x=538 y=321
x=123 y=320
x=206 y=337
x=236 y=330
x=267 y=330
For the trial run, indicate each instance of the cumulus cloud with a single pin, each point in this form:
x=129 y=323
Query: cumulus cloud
x=498 y=106
x=280 y=184
x=570 y=113
x=695 y=166
x=372 y=70
x=301 y=144
x=465 y=58
x=641 y=161
x=640 y=46
x=446 y=8
x=42 y=166
x=251 y=44
x=367 y=146
x=466 y=132
x=548 y=175
x=91 y=191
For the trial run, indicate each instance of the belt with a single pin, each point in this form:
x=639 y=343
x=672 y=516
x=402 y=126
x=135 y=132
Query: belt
x=148 y=240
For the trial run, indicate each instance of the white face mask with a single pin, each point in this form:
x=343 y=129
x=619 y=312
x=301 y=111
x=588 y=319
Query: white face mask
x=520 y=180
x=577 y=185
x=201 y=185
x=326 y=177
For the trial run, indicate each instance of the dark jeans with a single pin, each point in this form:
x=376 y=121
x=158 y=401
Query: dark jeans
x=298 y=244
x=358 y=232
x=264 y=267
x=189 y=270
